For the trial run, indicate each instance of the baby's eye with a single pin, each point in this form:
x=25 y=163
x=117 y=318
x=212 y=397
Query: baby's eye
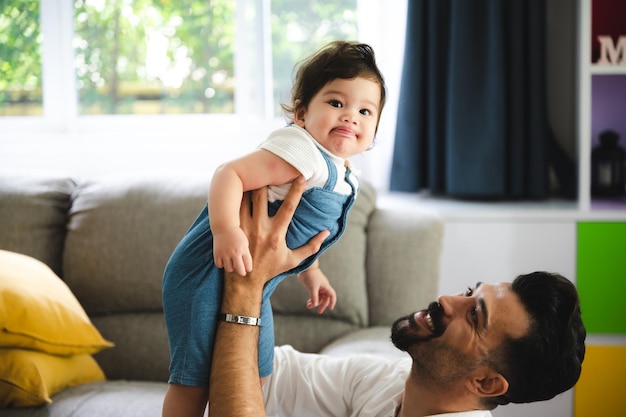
x=335 y=103
x=365 y=112
x=469 y=292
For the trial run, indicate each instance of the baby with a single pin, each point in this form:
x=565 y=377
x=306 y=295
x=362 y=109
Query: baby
x=337 y=100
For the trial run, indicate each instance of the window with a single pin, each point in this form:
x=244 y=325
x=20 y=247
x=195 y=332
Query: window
x=163 y=57
x=87 y=95
x=297 y=31
x=20 y=65
x=154 y=57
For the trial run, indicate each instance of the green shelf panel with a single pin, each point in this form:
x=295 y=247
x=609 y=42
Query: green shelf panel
x=601 y=276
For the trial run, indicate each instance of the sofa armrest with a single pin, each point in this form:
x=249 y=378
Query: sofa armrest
x=403 y=254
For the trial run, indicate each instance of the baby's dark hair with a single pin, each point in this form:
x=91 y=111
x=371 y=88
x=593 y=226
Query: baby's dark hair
x=337 y=59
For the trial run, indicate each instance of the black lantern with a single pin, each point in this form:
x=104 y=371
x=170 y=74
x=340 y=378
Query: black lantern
x=607 y=166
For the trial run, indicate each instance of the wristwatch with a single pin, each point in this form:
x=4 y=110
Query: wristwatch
x=232 y=318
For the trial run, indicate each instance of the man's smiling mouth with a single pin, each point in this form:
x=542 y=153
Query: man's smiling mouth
x=434 y=319
x=429 y=321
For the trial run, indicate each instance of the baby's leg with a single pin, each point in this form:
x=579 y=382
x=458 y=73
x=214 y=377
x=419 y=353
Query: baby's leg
x=185 y=401
x=192 y=290
x=266 y=338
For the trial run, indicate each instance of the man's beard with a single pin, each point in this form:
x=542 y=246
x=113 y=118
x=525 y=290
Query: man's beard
x=404 y=336
x=437 y=364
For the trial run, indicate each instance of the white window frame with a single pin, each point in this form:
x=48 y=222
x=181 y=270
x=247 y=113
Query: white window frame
x=381 y=24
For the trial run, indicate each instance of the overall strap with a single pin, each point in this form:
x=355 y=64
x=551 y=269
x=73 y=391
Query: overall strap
x=349 y=181
x=332 y=172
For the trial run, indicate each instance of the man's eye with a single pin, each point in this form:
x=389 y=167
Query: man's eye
x=469 y=292
x=474 y=315
x=335 y=103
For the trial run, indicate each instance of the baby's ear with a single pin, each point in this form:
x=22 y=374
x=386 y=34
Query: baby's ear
x=299 y=113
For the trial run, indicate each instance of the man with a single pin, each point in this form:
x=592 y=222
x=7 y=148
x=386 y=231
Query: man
x=491 y=345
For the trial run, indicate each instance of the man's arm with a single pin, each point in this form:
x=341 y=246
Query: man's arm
x=235 y=389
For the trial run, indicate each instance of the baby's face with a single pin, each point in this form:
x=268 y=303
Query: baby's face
x=343 y=115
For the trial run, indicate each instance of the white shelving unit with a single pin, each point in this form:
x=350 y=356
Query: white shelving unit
x=584 y=106
x=587 y=70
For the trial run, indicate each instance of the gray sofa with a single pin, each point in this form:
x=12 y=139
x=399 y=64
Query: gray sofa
x=109 y=240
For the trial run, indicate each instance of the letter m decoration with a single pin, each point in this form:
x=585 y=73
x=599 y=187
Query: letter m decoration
x=611 y=54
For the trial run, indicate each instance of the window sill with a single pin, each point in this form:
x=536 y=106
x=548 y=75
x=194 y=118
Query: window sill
x=455 y=210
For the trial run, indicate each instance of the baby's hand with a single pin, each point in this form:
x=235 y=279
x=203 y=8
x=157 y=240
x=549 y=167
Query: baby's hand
x=321 y=293
x=231 y=251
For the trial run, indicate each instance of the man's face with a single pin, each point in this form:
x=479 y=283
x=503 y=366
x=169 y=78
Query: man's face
x=449 y=338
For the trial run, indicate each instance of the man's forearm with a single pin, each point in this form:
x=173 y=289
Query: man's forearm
x=235 y=384
x=235 y=387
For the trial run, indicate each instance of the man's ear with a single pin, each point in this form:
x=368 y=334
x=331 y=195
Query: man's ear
x=485 y=382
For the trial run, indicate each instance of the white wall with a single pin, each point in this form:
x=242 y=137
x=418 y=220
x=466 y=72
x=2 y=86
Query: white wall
x=484 y=250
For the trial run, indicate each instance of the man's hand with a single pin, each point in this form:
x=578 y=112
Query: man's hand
x=266 y=235
x=234 y=389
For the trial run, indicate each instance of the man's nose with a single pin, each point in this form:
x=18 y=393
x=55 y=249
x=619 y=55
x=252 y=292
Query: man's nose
x=453 y=304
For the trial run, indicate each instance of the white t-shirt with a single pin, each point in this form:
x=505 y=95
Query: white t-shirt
x=311 y=385
x=296 y=146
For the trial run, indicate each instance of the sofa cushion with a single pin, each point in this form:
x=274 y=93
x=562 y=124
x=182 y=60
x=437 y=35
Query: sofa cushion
x=101 y=399
x=38 y=311
x=34 y=212
x=137 y=336
x=121 y=228
x=121 y=233
x=29 y=378
x=403 y=261
x=344 y=264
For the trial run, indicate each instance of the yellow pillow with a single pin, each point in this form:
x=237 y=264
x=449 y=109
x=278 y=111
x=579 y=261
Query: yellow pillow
x=38 y=310
x=29 y=378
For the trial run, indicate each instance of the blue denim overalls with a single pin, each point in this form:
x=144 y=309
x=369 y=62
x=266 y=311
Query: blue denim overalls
x=193 y=285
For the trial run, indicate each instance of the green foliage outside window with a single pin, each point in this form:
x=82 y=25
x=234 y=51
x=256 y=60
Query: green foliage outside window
x=297 y=31
x=20 y=58
x=154 y=56
x=159 y=56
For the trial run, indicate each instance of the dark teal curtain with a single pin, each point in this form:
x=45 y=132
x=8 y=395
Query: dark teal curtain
x=472 y=117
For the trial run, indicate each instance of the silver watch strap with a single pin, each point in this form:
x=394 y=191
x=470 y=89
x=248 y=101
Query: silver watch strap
x=232 y=318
